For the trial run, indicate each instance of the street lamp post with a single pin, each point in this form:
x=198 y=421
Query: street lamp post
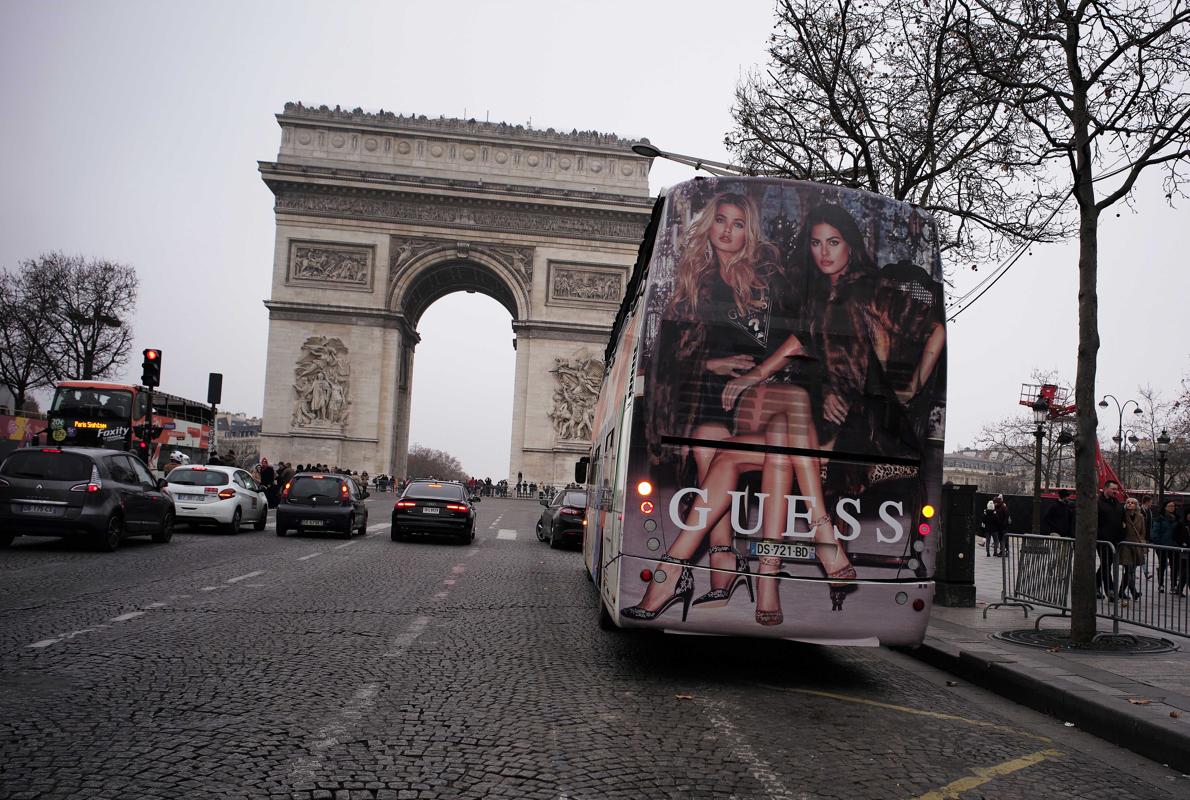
x=1129 y=460
x=1040 y=413
x=1162 y=452
x=713 y=167
x=1119 y=437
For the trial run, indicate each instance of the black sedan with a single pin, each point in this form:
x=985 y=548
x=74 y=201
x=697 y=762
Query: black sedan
x=434 y=507
x=562 y=519
x=322 y=502
x=92 y=493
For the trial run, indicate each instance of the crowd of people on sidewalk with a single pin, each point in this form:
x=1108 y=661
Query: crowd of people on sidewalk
x=1124 y=523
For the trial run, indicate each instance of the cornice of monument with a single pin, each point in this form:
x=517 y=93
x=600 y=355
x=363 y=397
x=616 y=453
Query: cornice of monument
x=495 y=131
x=273 y=171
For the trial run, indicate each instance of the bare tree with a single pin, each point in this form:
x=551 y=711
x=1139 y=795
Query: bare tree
x=883 y=96
x=25 y=326
x=1107 y=86
x=425 y=462
x=93 y=304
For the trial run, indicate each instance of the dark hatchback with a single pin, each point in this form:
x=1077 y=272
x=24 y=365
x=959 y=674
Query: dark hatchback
x=101 y=495
x=434 y=507
x=562 y=519
x=322 y=502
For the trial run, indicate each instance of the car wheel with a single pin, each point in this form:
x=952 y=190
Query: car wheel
x=167 y=529
x=395 y=535
x=555 y=541
x=346 y=534
x=233 y=527
x=280 y=525
x=110 y=539
x=260 y=524
x=363 y=526
x=540 y=532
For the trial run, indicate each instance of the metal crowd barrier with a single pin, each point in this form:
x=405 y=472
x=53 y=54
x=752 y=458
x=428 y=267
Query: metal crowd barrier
x=1037 y=571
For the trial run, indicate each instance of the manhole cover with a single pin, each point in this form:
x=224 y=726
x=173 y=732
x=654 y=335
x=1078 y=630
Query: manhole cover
x=1122 y=644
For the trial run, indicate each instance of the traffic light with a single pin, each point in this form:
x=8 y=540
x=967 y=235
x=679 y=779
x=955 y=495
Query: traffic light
x=151 y=368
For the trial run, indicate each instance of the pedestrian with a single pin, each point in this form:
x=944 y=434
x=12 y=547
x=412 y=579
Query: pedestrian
x=1146 y=509
x=1165 y=527
x=1059 y=518
x=175 y=460
x=1131 y=557
x=988 y=526
x=214 y=460
x=268 y=481
x=1110 y=534
x=1179 y=585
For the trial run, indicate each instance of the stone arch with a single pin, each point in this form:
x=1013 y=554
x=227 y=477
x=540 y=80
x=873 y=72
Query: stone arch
x=421 y=278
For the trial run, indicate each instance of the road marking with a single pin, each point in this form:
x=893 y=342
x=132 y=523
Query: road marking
x=156 y=605
x=378 y=526
x=345 y=544
x=916 y=711
x=448 y=583
x=441 y=595
x=982 y=775
x=128 y=616
x=44 y=643
x=239 y=578
x=743 y=752
x=210 y=588
x=458 y=569
x=506 y=533
x=312 y=555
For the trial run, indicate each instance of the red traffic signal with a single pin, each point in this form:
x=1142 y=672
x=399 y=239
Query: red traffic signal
x=151 y=367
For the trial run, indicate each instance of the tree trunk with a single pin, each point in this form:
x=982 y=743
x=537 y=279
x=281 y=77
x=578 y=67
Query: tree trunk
x=1086 y=473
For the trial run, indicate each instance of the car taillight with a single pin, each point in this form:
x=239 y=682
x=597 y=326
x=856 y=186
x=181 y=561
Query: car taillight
x=405 y=504
x=455 y=507
x=227 y=494
x=91 y=486
x=285 y=491
x=567 y=511
x=210 y=490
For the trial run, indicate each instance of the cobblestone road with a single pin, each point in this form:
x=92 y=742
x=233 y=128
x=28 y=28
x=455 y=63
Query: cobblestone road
x=305 y=667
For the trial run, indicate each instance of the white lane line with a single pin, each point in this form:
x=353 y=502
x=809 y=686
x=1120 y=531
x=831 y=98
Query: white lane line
x=743 y=752
x=449 y=583
x=342 y=727
x=345 y=544
x=506 y=533
x=157 y=605
x=128 y=616
x=44 y=643
x=439 y=596
x=239 y=578
x=458 y=569
x=312 y=555
x=210 y=588
x=381 y=525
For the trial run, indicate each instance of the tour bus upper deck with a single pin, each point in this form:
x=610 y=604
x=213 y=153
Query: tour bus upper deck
x=784 y=411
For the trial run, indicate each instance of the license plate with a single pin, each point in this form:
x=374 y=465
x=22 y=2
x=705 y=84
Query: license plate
x=430 y=510
x=313 y=523
x=801 y=552
x=40 y=509
x=192 y=498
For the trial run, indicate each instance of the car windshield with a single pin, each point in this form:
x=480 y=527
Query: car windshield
x=310 y=486
x=437 y=491
x=112 y=404
x=575 y=499
x=192 y=476
x=47 y=465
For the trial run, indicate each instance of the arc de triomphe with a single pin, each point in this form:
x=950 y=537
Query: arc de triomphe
x=379 y=215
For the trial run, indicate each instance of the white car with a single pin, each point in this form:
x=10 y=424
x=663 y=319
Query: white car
x=225 y=496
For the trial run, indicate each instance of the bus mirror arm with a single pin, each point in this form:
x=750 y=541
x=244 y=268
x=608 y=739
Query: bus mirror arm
x=580 y=470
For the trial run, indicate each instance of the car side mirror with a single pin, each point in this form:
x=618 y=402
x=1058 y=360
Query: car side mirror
x=365 y=495
x=162 y=483
x=475 y=499
x=543 y=502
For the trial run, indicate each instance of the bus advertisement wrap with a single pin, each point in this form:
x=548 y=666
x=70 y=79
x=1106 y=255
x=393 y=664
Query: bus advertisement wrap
x=787 y=416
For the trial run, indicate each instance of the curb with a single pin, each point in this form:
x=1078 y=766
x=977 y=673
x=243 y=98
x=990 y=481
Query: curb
x=1164 y=741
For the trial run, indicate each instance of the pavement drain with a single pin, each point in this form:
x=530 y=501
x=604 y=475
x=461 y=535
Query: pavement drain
x=1124 y=644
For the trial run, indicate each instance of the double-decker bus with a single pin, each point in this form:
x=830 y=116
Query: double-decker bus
x=113 y=415
x=767 y=444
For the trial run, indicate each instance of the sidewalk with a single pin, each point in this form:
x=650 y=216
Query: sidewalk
x=1095 y=692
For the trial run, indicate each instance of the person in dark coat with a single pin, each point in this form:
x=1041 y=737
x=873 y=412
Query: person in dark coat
x=1003 y=523
x=1059 y=519
x=1111 y=531
x=1165 y=530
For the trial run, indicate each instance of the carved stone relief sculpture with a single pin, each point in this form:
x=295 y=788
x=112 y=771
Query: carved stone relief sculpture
x=406 y=249
x=322 y=384
x=576 y=388
x=316 y=263
x=600 y=286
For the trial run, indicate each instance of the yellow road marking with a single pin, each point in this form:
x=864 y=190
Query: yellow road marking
x=908 y=710
x=982 y=775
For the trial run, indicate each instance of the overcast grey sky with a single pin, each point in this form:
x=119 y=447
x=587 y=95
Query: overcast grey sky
x=132 y=132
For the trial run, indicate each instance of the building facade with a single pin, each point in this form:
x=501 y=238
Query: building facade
x=380 y=215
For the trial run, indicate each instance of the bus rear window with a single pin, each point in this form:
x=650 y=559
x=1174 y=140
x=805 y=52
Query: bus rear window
x=93 y=403
x=46 y=466
x=188 y=476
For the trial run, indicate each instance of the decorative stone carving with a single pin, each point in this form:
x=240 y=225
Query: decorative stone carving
x=322 y=384
x=406 y=249
x=341 y=265
x=625 y=228
x=586 y=284
x=577 y=387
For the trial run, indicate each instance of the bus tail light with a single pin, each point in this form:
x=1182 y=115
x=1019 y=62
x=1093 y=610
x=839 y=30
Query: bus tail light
x=919 y=604
x=646 y=507
x=644 y=488
x=924 y=529
x=646 y=575
x=227 y=494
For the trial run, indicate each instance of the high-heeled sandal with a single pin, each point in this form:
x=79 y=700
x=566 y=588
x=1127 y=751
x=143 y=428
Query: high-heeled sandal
x=717 y=598
x=839 y=591
x=683 y=590
x=764 y=616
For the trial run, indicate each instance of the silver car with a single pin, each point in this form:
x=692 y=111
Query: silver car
x=225 y=496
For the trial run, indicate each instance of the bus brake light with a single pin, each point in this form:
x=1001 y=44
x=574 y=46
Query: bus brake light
x=646 y=507
x=644 y=488
x=924 y=529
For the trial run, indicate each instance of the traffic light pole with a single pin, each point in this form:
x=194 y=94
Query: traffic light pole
x=148 y=437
